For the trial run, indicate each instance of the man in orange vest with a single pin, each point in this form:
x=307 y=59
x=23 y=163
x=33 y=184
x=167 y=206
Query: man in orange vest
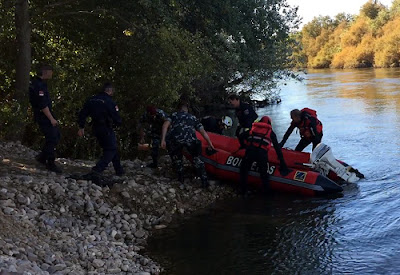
x=260 y=139
x=309 y=125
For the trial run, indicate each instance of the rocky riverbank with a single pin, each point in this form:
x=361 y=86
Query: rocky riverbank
x=53 y=224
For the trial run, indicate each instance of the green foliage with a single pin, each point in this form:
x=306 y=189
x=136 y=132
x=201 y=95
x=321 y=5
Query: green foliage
x=153 y=51
x=7 y=50
x=382 y=18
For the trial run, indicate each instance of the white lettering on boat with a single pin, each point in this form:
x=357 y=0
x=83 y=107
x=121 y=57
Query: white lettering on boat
x=236 y=161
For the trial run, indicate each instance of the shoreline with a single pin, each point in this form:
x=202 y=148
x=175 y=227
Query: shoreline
x=57 y=225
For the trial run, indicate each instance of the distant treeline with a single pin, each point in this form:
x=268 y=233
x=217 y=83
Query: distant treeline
x=370 y=39
x=154 y=51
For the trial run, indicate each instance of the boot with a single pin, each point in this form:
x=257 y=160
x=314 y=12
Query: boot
x=120 y=172
x=40 y=158
x=152 y=165
x=242 y=190
x=204 y=183
x=93 y=176
x=51 y=166
x=181 y=179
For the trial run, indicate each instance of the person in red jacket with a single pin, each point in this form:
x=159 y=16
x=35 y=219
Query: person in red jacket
x=258 y=143
x=309 y=125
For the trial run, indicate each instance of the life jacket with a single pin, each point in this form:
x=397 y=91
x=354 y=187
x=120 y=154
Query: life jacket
x=260 y=135
x=305 y=125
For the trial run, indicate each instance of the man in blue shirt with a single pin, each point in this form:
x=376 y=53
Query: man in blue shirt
x=40 y=100
x=105 y=114
x=183 y=135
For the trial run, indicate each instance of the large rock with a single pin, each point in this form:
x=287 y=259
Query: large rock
x=140 y=234
x=98 y=263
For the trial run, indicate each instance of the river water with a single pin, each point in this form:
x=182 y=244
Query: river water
x=355 y=233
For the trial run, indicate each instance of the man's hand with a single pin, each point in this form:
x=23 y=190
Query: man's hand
x=81 y=132
x=163 y=144
x=54 y=122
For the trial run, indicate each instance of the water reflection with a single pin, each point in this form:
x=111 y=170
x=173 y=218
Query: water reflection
x=378 y=88
x=264 y=235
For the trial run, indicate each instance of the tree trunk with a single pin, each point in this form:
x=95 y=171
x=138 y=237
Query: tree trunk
x=23 y=66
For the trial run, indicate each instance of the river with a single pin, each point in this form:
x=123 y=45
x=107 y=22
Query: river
x=355 y=233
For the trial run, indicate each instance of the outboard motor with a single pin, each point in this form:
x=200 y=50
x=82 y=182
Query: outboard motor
x=323 y=161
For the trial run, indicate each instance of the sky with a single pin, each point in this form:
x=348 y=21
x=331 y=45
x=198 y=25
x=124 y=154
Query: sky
x=308 y=9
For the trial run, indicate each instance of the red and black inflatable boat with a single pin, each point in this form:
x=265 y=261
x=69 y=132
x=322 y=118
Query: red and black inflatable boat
x=322 y=175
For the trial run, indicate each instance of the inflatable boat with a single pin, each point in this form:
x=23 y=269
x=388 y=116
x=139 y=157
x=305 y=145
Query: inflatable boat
x=311 y=174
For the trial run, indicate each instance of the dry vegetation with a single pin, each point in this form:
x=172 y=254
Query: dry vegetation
x=370 y=39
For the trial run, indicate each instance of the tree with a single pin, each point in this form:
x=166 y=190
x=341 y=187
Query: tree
x=371 y=9
x=23 y=38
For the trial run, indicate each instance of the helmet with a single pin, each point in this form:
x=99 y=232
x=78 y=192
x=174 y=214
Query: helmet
x=266 y=119
x=151 y=110
x=227 y=122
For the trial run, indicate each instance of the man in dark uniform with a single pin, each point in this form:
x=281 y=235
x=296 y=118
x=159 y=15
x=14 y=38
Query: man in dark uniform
x=155 y=118
x=214 y=125
x=39 y=98
x=105 y=114
x=183 y=135
x=259 y=140
x=309 y=125
x=246 y=116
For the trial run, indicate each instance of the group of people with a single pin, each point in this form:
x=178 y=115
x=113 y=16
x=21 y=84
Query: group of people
x=102 y=110
x=175 y=133
x=257 y=137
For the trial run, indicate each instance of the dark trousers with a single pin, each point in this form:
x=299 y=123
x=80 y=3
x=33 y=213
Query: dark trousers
x=155 y=145
x=52 y=137
x=304 y=142
x=254 y=154
x=175 y=151
x=108 y=142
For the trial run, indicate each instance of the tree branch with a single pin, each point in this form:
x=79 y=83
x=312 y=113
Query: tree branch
x=59 y=4
x=95 y=12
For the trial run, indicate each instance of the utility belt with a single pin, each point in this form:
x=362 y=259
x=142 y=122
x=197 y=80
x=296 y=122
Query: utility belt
x=40 y=117
x=102 y=123
x=258 y=142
